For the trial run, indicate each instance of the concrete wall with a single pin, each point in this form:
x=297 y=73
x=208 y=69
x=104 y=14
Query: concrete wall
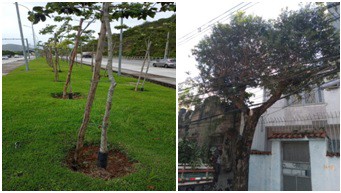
x=265 y=172
x=259 y=172
x=325 y=171
x=332 y=98
x=276 y=169
x=259 y=141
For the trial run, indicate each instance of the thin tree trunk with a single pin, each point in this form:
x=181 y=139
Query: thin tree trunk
x=103 y=151
x=72 y=61
x=56 y=75
x=60 y=57
x=81 y=53
x=50 y=57
x=92 y=92
x=148 y=61
x=144 y=62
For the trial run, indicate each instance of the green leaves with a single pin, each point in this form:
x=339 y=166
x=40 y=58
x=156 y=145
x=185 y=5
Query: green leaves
x=281 y=55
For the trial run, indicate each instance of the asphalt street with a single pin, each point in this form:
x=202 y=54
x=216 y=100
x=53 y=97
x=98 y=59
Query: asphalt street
x=133 y=67
x=160 y=75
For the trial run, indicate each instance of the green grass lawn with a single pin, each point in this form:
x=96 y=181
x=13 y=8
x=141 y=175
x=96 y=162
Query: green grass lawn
x=38 y=130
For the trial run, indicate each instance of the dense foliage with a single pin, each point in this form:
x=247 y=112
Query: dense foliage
x=293 y=53
x=134 y=39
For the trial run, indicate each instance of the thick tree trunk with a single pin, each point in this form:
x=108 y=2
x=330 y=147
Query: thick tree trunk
x=72 y=60
x=92 y=92
x=243 y=149
x=103 y=151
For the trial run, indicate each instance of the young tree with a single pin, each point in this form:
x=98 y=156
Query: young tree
x=284 y=56
x=133 y=10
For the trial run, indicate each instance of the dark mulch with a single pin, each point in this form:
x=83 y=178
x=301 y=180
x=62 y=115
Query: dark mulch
x=74 y=95
x=118 y=163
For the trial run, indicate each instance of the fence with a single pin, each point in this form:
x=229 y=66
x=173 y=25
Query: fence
x=311 y=125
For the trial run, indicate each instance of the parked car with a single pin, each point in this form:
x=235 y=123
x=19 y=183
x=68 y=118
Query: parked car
x=87 y=56
x=5 y=57
x=167 y=63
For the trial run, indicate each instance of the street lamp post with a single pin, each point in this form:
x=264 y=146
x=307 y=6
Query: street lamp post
x=34 y=38
x=22 y=36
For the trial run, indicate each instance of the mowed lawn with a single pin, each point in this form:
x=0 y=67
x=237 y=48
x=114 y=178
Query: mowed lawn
x=38 y=130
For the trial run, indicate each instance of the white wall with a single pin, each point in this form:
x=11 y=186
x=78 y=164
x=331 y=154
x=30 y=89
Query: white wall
x=325 y=171
x=276 y=163
x=332 y=98
x=259 y=172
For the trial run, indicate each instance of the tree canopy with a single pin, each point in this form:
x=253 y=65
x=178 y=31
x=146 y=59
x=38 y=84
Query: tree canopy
x=286 y=55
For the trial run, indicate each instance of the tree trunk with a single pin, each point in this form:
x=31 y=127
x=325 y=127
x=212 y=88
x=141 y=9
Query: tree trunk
x=50 y=57
x=103 y=151
x=92 y=92
x=243 y=149
x=55 y=67
x=144 y=62
x=72 y=60
x=148 y=64
x=81 y=53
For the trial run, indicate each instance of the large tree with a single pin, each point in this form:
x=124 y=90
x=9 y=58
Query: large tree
x=285 y=56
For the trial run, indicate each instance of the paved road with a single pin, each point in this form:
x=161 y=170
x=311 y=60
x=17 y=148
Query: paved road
x=166 y=76
x=11 y=64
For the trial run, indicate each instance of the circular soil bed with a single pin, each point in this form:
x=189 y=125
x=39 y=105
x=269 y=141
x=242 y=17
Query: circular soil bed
x=118 y=163
x=75 y=95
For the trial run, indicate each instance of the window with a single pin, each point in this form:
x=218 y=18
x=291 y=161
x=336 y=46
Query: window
x=315 y=96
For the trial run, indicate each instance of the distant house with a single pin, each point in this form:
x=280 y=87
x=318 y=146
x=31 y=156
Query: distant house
x=297 y=143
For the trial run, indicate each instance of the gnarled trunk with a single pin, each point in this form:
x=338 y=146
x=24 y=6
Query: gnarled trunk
x=243 y=148
x=92 y=92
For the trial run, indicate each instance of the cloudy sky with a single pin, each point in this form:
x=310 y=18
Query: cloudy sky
x=10 y=28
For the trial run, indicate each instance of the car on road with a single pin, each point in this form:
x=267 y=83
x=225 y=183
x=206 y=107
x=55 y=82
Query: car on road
x=87 y=56
x=5 y=57
x=167 y=63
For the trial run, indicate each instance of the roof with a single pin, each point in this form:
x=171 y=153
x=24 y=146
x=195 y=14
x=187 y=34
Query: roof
x=331 y=84
x=292 y=135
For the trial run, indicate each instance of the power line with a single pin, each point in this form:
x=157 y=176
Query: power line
x=209 y=26
x=194 y=31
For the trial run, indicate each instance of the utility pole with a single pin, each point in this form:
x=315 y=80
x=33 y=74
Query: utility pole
x=22 y=36
x=34 y=35
x=120 y=49
x=28 y=49
x=166 y=49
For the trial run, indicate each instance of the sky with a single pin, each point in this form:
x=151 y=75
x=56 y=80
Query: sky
x=10 y=27
x=201 y=14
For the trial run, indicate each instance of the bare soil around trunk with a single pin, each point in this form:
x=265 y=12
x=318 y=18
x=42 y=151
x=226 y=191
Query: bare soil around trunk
x=119 y=164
